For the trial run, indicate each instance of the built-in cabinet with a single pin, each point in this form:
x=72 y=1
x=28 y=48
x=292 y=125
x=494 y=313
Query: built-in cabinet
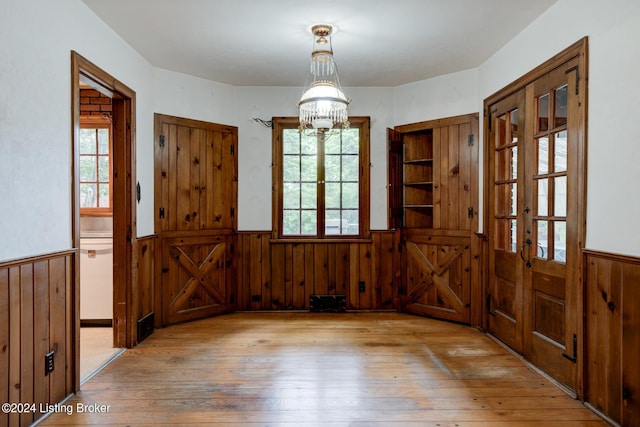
x=433 y=197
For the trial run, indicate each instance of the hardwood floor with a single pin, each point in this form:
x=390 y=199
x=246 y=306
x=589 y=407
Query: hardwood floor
x=322 y=369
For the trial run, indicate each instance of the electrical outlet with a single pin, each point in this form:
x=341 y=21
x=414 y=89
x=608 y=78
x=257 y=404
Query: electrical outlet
x=48 y=363
x=361 y=286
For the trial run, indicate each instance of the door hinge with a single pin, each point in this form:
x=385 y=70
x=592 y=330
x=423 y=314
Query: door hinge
x=470 y=212
x=233 y=149
x=161 y=213
x=233 y=212
x=231 y=248
x=470 y=139
x=575 y=350
x=161 y=141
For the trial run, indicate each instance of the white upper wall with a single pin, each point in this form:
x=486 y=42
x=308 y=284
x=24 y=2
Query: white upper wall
x=613 y=28
x=36 y=38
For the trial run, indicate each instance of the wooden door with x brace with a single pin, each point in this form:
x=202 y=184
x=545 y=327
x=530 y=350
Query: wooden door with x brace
x=196 y=197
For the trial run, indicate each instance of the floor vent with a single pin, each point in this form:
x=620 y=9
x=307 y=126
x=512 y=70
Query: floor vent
x=145 y=326
x=327 y=303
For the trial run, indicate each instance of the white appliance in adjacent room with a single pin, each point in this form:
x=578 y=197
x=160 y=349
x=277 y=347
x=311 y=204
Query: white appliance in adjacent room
x=96 y=277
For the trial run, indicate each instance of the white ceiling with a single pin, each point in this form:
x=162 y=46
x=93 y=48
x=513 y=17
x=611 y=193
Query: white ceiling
x=268 y=42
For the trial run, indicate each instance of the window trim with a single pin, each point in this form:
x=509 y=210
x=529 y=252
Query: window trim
x=364 y=232
x=95 y=122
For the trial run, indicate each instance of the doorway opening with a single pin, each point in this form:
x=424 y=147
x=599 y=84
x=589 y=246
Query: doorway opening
x=103 y=214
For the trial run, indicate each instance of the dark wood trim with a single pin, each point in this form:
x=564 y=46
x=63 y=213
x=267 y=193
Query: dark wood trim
x=427 y=124
x=36 y=258
x=611 y=256
x=124 y=196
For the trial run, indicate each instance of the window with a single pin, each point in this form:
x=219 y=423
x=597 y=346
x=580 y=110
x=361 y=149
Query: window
x=95 y=167
x=321 y=181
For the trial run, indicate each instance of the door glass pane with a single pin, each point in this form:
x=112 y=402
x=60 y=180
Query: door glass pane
x=291 y=168
x=332 y=195
x=309 y=168
x=542 y=239
x=350 y=195
x=560 y=152
x=513 y=235
x=513 y=198
x=560 y=241
x=543 y=155
x=560 y=113
x=560 y=196
x=501 y=131
x=514 y=126
x=514 y=162
x=351 y=220
x=543 y=187
x=543 y=113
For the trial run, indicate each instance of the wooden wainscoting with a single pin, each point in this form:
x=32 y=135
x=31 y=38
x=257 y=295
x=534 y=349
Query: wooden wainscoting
x=145 y=294
x=36 y=317
x=283 y=275
x=613 y=336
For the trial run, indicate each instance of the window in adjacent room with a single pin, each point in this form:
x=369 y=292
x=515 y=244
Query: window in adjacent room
x=95 y=167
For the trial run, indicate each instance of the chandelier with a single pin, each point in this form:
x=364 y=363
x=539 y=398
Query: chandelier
x=323 y=105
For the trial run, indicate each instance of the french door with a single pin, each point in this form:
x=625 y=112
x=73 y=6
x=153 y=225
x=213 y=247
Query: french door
x=536 y=215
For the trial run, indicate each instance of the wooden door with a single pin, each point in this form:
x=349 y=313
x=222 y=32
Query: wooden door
x=196 y=198
x=197 y=277
x=536 y=196
x=550 y=219
x=505 y=296
x=438 y=277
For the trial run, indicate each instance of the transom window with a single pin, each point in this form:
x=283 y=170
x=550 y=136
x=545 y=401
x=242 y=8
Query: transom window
x=320 y=179
x=95 y=167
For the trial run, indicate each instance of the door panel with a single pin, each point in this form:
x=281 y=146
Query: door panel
x=505 y=299
x=195 y=201
x=438 y=277
x=536 y=204
x=197 y=278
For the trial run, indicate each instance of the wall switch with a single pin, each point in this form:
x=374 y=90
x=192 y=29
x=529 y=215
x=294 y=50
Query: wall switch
x=48 y=363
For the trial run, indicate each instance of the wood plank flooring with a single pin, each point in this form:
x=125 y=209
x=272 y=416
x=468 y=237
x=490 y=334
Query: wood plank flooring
x=322 y=369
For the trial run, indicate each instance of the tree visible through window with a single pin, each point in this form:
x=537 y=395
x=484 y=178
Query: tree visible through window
x=95 y=167
x=321 y=177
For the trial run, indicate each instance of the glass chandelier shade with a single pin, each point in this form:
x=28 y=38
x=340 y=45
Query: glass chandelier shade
x=323 y=105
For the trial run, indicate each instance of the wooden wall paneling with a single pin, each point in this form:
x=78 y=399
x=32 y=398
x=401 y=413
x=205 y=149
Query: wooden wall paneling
x=265 y=264
x=27 y=363
x=631 y=346
x=5 y=348
x=309 y=274
x=146 y=276
x=298 y=294
x=15 y=339
x=36 y=316
x=353 y=297
x=321 y=269
x=279 y=268
x=255 y=272
x=366 y=296
x=603 y=340
x=41 y=328
x=341 y=268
